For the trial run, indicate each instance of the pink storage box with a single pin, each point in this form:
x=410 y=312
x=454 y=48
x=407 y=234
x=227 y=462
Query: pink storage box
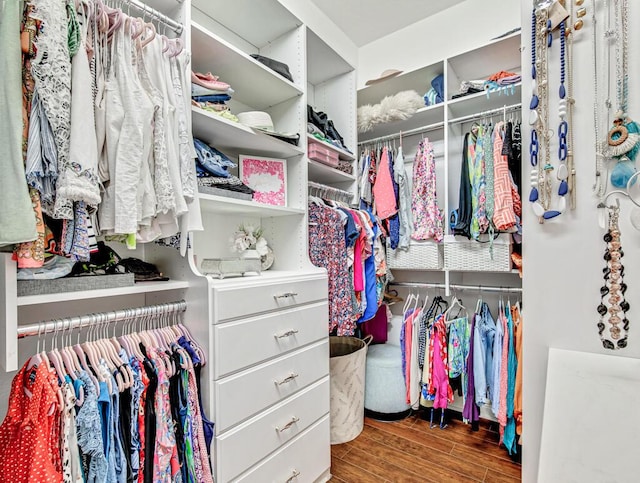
x=322 y=154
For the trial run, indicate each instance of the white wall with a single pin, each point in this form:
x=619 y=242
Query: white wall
x=563 y=259
x=450 y=32
x=317 y=21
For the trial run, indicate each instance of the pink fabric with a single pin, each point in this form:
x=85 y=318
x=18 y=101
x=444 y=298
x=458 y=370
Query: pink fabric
x=383 y=194
x=439 y=382
x=358 y=274
x=504 y=211
x=408 y=331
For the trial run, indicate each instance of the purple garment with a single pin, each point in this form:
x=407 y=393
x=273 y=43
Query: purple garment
x=471 y=411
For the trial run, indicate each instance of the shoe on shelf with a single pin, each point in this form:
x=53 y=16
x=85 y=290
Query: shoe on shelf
x=209 y=81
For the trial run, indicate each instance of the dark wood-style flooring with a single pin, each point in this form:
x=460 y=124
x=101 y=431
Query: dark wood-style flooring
x=409 y=451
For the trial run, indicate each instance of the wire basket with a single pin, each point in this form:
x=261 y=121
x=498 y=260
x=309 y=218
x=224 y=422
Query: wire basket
x=462 y=254
x=421 y=255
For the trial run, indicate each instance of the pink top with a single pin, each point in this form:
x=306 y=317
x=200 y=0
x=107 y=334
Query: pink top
x=383 y=194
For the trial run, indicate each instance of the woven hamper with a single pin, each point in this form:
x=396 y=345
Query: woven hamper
x=421 y=255
x=347 y=370
x=467 y=255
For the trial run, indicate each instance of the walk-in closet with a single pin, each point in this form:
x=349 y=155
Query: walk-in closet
x=319 y=240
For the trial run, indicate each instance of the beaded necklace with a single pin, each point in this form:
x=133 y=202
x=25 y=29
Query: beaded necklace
x=613 y=309
x=541 y=194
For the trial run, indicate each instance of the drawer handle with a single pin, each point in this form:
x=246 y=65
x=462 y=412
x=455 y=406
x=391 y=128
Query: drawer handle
x=293 y=476
x=288 y=333
x=289 y=378
x=285 y=295
x=293 y=421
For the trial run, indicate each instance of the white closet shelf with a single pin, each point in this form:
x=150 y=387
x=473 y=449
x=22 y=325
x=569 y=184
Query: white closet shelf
x=257 y=22
x=321 y=173
x=342 y=154
x=224 y=205
x=425 y=116
x=478 y=102
x=485 y=60
x=418 y=80
x=138 y=288
x=255 y=85
x=227 y=135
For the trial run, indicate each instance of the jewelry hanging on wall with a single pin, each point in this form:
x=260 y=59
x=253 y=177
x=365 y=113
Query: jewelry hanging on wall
x=613 y=307
x=624 y=137
x=541 y=195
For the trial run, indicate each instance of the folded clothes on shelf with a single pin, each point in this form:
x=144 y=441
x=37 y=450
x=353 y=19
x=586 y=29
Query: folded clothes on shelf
x=211 y=161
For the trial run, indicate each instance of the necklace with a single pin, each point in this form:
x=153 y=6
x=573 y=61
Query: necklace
x=624 y=137
x=613 y=309
x=541 y=194
x=600 y=184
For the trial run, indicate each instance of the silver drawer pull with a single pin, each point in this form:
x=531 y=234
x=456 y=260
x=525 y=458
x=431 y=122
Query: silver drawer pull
x=293 y=421
x=293 y=476
x=288 y=333
x=285 y=295
x=289 y=378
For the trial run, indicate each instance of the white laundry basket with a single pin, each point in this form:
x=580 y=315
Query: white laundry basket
x=347 y=373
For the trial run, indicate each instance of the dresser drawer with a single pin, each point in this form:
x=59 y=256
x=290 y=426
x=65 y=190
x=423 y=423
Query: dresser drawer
x=245 y=445
x=304 y=458
x=241 y=300
x=246 y=342
x=247 y=393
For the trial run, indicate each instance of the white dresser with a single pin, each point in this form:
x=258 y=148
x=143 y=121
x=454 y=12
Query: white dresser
x=269 y=373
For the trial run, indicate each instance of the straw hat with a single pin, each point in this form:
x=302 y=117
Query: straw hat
x=387 y=74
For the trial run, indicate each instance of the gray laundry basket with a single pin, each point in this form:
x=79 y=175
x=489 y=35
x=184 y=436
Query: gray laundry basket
x=347 y=372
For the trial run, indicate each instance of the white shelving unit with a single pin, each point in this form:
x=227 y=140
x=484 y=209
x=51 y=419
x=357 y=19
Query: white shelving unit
x=221 y=205
x=331 y=88
x=445 y=124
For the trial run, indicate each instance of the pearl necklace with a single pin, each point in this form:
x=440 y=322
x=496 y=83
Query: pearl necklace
x=540 y=145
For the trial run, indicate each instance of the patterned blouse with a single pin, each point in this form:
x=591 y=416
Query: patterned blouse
x=427 y=216
x=327 y=248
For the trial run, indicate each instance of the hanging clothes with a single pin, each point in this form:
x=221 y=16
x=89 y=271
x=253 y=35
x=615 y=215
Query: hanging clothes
x=439 y=387
x=464 y=213
x=327 y=248
x=471 y=410
x=404 y=201
x=479 y=222
x=127 y=417
x=517 y=403
x=506 y=198
x=17 y=218
x=427 y=216
x=383 y=191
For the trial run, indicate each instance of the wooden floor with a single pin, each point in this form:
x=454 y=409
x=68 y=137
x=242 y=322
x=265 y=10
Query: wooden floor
x=409 y=451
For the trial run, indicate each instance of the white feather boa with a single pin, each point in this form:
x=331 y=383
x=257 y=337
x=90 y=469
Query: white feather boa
x=398 y=107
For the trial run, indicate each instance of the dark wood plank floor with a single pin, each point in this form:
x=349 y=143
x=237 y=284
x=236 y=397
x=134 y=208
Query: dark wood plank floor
x=409 y=451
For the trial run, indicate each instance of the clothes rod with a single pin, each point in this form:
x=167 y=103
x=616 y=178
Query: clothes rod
x=419 y=130
x=453 y=286
x=79 y=322
x=491 y=112
x=161 y=17
x=325 y=189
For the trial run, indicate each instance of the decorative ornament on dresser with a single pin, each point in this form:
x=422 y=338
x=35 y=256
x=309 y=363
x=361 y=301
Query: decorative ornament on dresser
x=544 y=20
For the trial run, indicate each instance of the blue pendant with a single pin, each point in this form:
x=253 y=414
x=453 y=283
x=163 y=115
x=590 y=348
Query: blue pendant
x=621 y=173
x=534 y=102
x=533 y=72
x=551 y=214
x=563 y=92
x=564 y=188
x=533 y=196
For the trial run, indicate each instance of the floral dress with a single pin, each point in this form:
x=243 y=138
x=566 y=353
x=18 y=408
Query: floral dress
x=427 y=217
x=327 y=248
